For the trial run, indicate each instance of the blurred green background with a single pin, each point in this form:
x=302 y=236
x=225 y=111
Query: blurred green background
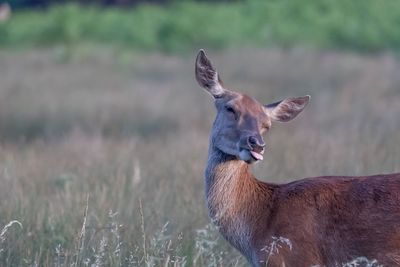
x=104 y=131
x=177 y=26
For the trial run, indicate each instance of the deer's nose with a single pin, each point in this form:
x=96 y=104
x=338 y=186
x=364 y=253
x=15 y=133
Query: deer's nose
x=256 y=143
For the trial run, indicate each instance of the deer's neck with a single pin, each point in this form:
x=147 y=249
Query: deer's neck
x=236 y=200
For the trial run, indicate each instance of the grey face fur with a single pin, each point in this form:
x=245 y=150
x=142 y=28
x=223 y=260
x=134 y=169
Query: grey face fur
x=241 y=120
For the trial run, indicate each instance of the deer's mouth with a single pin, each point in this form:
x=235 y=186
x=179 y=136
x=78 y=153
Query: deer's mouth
x=251 y=156
x=257 y=155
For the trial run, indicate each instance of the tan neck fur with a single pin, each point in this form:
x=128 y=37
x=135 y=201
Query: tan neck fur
x=235 y=199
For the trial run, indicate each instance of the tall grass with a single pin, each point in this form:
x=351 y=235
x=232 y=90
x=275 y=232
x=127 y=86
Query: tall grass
x=353 y=25
x=76 y=187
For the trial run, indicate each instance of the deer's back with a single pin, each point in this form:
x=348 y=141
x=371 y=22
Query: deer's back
x=331 y=220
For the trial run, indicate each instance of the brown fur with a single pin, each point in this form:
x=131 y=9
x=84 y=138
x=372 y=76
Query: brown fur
x=328 y=220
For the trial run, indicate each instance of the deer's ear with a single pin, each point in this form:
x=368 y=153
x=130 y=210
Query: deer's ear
x=207 y=76
x=286 y=109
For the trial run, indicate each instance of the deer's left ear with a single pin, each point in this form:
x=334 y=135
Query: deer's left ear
x=286 y=109
x=207 y=76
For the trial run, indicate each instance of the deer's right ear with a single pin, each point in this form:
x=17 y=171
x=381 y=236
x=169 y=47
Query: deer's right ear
x=207 y=76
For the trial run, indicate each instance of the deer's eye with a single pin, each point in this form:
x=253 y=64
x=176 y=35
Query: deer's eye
x=231 y=110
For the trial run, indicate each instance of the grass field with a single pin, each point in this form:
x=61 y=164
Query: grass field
x=102 y=156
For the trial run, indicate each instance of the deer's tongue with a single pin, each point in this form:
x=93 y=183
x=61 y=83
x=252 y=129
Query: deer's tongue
x=256 y=155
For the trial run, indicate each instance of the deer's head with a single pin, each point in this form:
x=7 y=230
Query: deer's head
x=241 y=120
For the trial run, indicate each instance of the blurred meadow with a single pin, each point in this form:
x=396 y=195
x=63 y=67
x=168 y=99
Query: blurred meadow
x=104 y=131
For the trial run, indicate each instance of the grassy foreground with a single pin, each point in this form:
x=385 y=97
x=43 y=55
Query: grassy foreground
x=352 y=25
x=101 y=162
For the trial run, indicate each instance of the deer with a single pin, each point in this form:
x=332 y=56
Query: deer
x=320 y=221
